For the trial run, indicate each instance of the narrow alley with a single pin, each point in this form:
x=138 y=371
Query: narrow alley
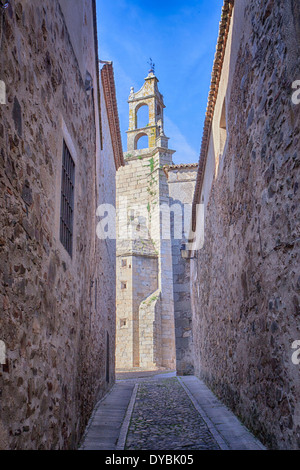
x=151 y=411
x=150 y=226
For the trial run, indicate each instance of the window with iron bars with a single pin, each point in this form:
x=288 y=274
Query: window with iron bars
x=67 y=200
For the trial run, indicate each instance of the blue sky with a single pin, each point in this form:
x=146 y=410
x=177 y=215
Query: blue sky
x=180 y=37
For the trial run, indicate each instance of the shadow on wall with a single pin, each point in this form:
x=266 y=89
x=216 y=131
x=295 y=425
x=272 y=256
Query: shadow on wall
x=181 y=292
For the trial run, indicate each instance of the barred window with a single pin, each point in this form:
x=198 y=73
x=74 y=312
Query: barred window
x=67 y=200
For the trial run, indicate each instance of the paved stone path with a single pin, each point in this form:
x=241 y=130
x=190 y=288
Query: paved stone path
x=164 y=412
x=165 y=418
x=104 y=428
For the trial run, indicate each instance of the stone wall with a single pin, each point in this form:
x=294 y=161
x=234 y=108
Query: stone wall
x=137 y=278
x=181 y=180
x=57 y=312
x=245 y=280
x=141 y=188
x=150 y=331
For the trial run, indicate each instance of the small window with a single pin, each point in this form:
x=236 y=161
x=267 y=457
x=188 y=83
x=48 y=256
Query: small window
x=123 y=322
x=123 y=285
x=67 y=200
x=124 y=263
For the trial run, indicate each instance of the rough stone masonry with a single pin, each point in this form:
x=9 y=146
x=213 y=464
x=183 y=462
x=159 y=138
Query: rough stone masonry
x=145 y=306
x=245 y=280
x=154 y=324
x=57 y=307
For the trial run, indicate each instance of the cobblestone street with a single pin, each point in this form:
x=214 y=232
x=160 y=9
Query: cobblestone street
x=164 y=412
x=165 y=418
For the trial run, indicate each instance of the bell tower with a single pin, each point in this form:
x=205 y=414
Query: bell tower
x=145 y=331
x=148 y=96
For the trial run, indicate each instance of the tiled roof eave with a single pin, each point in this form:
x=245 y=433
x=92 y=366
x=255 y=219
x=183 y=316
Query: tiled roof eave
x=182 y=166
x=108 y=82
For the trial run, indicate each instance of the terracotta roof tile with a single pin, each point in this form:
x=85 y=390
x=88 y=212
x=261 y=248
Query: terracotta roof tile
x=107 y=77
x=181 y=166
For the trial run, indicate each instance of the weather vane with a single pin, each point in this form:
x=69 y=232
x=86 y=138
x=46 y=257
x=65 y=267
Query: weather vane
x=152 y=65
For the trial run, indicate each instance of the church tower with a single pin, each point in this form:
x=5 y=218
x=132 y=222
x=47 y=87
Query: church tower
x=145 y=332
x=148 y=96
